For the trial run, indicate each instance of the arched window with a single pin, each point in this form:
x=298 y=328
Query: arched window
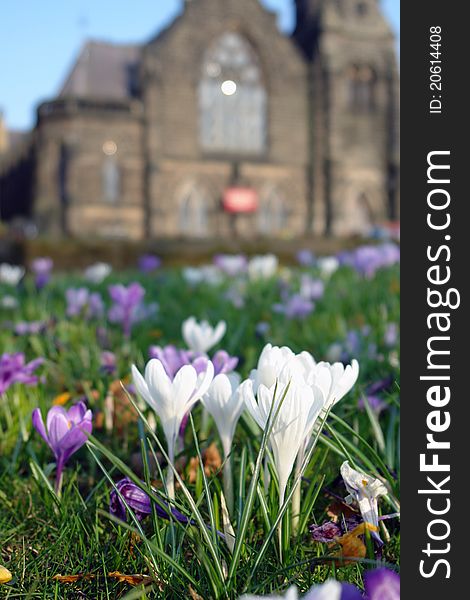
x=361 y=88
x=272 y=214
x=111 y=179
x=232 y=98
x=193 y=212
x=362 y=8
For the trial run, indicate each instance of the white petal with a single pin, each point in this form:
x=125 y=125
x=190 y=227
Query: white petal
x=142 y=387
x=219 y=332
x=159 y=385
x=331 y=590
x=187 y=330
x=183 y=388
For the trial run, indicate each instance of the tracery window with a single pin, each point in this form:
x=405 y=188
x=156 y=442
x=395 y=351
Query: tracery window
x=110 y=173
x=193 y=212
x=232 y=98
x=111 y=177
x=361 y=82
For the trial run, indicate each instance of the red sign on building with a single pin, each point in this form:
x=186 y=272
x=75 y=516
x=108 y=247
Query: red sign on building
x=240 y=200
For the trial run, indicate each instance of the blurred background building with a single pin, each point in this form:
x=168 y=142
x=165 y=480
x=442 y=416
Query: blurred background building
x=219 y=126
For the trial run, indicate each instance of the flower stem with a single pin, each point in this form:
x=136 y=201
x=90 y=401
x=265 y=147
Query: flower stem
x=170 y=476
x=59 y=479
x=297 y=493
x=228 y=485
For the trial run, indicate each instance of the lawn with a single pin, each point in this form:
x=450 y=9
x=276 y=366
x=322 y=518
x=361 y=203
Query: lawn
x=247 y=491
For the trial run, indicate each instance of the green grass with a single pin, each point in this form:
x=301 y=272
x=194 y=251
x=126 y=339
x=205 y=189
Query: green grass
x=41 y=537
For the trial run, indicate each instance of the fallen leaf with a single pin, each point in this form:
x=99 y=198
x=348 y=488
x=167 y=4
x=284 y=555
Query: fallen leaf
x=338 y=508
x=131 y=579
x=194 y=595
x=212 y=460
x=73 y=578
x=212 y=463
x=5 y=575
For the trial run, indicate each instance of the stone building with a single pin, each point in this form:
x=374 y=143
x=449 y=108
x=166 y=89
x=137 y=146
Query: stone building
x=219 y=126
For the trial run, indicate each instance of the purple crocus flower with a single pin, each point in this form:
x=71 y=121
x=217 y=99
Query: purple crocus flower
x=126 y=303
x=326 y=532
x=382 y=385
x=29 y=327
x=350 y=592
x=375 y=402
x=368 y=259
x=172 y=358
x=231 y=264
x=14 y=369
x=140 y=503
x=223 y=362
x=80 y=302
x=382 y=584
x=262 y=328
x=42 y=268
x=311 y=288
x=295 y=307
x=66 y=432
x=391 y=335
x=108 y=362
x=305 y=258
x=149 y=263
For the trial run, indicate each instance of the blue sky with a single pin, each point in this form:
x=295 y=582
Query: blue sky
x=39 y=40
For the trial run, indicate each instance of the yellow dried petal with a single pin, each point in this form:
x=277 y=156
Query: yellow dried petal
x=351 y=545
x=61 y=399
x=5 y=575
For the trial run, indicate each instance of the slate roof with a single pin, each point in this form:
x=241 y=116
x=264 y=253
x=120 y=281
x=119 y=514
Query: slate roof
x=103 y=70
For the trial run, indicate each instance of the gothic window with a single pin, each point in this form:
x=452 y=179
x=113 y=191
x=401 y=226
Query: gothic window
x=111 y=179
x=193 y=212
x=361 y=88
x=111 y=175
x=362 y=9
x=272 y=215
x=232 y=98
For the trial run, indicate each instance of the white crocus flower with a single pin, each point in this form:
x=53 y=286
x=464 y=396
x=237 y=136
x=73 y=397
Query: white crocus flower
x=273 y=359
x=365 y=490
x=225 y=403
x=301 y=405
x=334 y=380
x=11 y=274
x=98 y=272
x=263 y=267
x=209 y=274
x=201 y=337
x=328 y=265
x=172 y=399
x=9 y=302
x=330 y=590
x=291 y=594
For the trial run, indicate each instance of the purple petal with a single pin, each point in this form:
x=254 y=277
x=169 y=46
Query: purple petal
x=57 y=428
x=382 y=584
x=38 y=424
x=74 y=439
x=326 y=532
x=350 y=592
x=76 y=413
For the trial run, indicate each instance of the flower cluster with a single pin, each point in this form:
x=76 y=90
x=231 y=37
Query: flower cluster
x=380 y=584
x=14 y=369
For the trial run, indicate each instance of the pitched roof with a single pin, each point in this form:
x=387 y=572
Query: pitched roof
x=103 y=70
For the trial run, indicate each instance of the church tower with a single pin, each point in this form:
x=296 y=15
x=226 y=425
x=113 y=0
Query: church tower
x=354 y=91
